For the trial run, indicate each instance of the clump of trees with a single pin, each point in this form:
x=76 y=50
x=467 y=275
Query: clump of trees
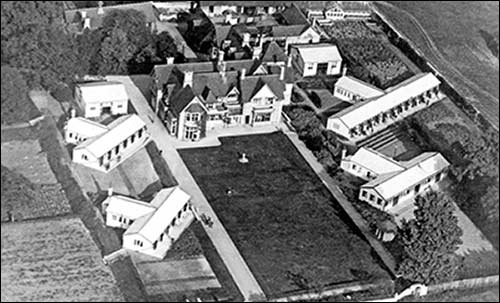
x=322 y=142
x=430 y=241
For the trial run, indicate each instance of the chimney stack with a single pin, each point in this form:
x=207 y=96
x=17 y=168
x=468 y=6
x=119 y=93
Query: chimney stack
x=343 y=153
x=110 y=191
x=289 y=61
x=188 y=79
x=100 y=9
x=344 y=71
x=72 y=113
x=220 y=59
x=282 y=72
x=243 y=73
x=170 y=60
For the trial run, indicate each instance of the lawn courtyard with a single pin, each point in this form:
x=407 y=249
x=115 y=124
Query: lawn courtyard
x=289 y=229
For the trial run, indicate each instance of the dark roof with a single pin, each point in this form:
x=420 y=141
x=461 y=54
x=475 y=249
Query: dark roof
x=292 y=15
x=289 y=30
x=252 y=84
x=182 y=98
x=96 y=19
x=273 y=53
x=221 y=33
x=215 y=83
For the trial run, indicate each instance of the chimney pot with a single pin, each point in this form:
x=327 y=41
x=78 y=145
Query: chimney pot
x=343 y=153
x=243 y=73
x=110 y=191
x=188 y=79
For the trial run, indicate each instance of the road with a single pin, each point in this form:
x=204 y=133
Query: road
x=486 y=103
x=230 y=255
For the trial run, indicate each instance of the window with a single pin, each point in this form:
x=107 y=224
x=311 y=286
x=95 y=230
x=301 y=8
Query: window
x=132 y=138
x=407 y=191
x=428 y=180
x=92 y=108
x=363 y=193
x=379 y=201
x=101 y=160
x=125 y=143
x=120 y=106
x=263 y=117
x=211 y=8
x=161 y=237
x=417 y=188
x=193 y=116
x=310 y=66
x=395 y=200
x=155 y=243
x=354 y=166
x=368 y=174
x=84 y=157
x=71 y=135
x=372 y=197
x=179 y=214
x=109 y=155
x=438 y=177
x=120 y=219
x=117 y=149
x=140 y=133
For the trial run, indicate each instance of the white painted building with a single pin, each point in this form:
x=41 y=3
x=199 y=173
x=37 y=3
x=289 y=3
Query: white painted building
x=340 y=10
x=307 y=59
x=350 y=89
x=393 y=185
x=96 y=98
x=124 y=137
x=79 y=129
x=151 y=228
x=366 y=118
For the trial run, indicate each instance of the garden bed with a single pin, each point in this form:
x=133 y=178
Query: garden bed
x=288 y=227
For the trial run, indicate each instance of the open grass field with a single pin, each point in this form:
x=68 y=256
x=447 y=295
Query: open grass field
x=448 y=34
x=53 y=260
x=285 y=223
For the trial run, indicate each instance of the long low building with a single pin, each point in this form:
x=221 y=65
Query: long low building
x=348 y=88
x=392 y=185
x=151 y=228
x=124 y=137
x=370 y=116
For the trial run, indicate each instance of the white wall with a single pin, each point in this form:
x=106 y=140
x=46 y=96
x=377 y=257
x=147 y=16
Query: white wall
x=359 y=171
x=334 y=68
x=335 y=125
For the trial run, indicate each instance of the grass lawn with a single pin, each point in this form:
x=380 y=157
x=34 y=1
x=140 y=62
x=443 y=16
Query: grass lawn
x=280 y=216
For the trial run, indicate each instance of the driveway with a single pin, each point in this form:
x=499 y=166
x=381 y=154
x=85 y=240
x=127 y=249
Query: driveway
x=234 y=262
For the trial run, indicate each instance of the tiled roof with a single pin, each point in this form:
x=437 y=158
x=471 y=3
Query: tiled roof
x=289 y=30
x=181 y=99
x=252 y=84
x=293 y=15
x=221 y=33
x=273 y=53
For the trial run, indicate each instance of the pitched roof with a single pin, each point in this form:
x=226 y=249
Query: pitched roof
x=319 y=52
x=365 y=90
x=289 y=30
x=128 y=207
x=293 y=15
x=252 y=84
x=169 y=202
x=417 y=170
x=85 y=127
x=221 y=33
x=363 y=111
x=245 y=3
x=273 y=53
x=181 y=99
x=146 y=8
x=215 y=82
x=96 y=92
x=119 y=130
x=375 y=161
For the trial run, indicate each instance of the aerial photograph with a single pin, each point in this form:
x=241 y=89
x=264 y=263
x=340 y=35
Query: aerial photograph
x=250 y=151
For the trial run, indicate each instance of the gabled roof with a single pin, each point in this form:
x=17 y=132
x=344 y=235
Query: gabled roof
x=181 y=99
x=417 y=170
x=168 y=203
x=273 y=53
x=85 y=127
x=410 y=88
x=220 y=86
x=319 y=52
x=375 y=161
x=128 y=207
x=221 y=33
x=293 y=15
x=119 y=130
x=103 y=90
x=146 y=8
x=252 y=84
x=365 y=90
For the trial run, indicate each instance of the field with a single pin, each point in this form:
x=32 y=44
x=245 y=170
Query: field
x=290 y=231
x=368 y=54
x=29 y=187
x=53 y=260
x=448 y=33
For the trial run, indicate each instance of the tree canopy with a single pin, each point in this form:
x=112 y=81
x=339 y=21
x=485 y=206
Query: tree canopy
x=430 y=241
x=34 y=42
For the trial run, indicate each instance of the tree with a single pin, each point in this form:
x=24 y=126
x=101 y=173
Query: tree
x=116 y=52
x=34 y=42
x=165 y=46
x=430 y=241
x=16 y=105
x=132 y=22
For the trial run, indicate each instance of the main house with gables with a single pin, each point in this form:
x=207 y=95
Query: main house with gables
x=193 y=98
